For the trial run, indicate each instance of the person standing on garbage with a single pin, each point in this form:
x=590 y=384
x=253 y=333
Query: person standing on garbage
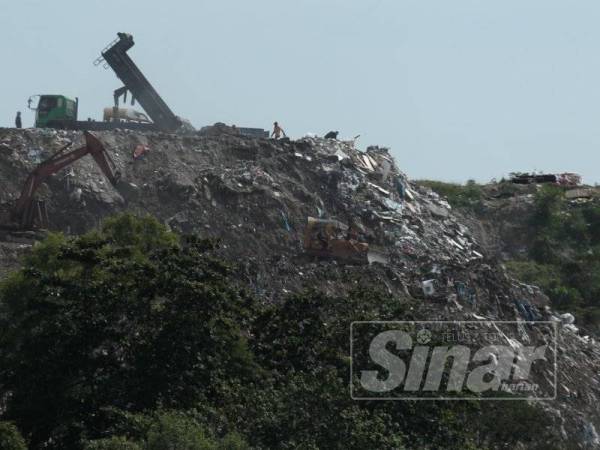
x=18 y=122
x=277 y=131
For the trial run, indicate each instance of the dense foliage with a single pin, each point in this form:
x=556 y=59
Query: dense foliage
x=10 y=437
x=468 y=195
x=564 y=257
x=132 y=338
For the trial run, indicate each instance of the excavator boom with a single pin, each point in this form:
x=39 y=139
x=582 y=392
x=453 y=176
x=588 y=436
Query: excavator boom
x=24 y=212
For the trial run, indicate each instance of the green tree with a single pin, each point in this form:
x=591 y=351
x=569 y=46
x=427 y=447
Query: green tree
x=549 y=202
x=174 y=430
x=112 y=443
x=10 y=437
x=469 y=195
x=124 y=316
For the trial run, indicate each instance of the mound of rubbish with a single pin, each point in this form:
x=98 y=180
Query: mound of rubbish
x=255 y=195
x=308 y=213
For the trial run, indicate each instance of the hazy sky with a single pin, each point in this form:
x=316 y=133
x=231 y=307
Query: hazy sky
x=458 y=89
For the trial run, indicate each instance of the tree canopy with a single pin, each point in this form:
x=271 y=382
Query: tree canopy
x=131 y=337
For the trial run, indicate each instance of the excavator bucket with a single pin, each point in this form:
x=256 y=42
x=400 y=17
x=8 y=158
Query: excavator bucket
x=329 y=239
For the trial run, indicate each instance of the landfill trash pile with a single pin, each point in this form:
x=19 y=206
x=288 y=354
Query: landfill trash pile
x=561 y=179
x=256 y=195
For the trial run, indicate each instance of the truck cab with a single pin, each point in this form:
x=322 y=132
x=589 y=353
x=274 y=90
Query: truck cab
x=54 y=107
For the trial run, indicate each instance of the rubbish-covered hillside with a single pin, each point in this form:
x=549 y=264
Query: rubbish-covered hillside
x=257 y=195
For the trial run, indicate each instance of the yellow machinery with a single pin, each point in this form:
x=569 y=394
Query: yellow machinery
x=333 y=239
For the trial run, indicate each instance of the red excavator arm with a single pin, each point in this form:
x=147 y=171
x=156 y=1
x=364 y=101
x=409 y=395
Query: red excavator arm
x=25 y=208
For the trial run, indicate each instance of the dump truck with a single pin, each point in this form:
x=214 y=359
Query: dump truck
x=59 y=111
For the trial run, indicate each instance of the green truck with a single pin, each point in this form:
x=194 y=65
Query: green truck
x=58 y=111
x=53 y=108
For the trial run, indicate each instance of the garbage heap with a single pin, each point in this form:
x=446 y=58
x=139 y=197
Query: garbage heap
x=256 y=196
